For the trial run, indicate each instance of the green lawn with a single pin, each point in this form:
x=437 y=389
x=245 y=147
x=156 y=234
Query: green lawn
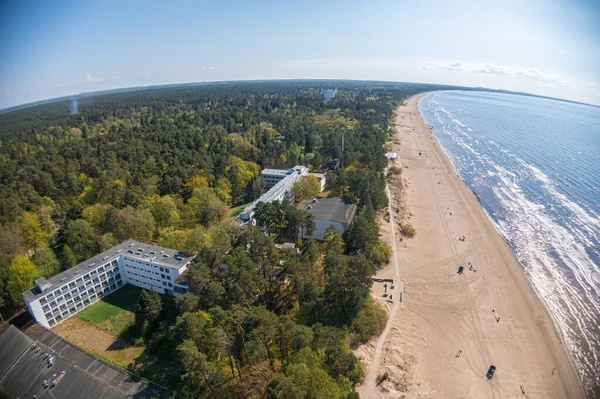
x=114 y=312
x=234 y=212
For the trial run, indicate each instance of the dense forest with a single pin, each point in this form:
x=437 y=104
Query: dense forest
x=170 y=165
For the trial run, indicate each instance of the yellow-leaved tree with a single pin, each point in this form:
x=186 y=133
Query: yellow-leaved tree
x=21 y=274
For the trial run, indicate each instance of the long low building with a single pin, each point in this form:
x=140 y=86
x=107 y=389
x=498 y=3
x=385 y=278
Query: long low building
x=51 y=301
x=280 y=182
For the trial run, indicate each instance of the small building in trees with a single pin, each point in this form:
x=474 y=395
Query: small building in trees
x=53 y=300
x=392 y=156
x=328 y=95
x=326 y=212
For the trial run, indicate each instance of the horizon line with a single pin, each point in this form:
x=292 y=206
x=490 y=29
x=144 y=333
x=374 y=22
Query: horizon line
x=134 y=88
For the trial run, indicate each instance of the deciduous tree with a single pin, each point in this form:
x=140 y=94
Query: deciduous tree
x=21 y=274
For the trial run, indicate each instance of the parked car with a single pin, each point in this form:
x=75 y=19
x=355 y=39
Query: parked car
x=491 y=372
x=461 y=269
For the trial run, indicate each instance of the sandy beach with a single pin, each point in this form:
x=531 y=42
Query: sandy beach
x=491 y=313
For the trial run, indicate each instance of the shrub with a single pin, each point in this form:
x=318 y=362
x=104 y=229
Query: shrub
x=408 y=231
x=395 y=170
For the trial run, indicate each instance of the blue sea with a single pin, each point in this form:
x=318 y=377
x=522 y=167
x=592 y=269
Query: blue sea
x=535 y=165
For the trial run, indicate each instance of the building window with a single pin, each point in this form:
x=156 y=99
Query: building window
x=68 y=295
x=161 y=269
x=45 y=308
x=119 y=283
x=51 y=322
x=65 y=288
x=94 y=272
x=86 y=302
x=72 y=284
x=162 y=276
x=170 y=285
x=86 y=277
x=50 y=296
x=168 y=277
x=164 y=283
x=43 y=300
x=59 y=318
x=69 y=302
x=72 y=310
x=48 y=315
x=53 y=304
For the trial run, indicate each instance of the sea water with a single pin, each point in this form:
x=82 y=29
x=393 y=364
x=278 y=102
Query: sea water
x=535 y=165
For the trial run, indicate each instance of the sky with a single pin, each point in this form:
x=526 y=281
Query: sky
x=55 y=48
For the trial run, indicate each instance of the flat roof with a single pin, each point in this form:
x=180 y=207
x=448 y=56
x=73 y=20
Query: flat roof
x=84 y=375
x=275 y=171
x=334 y=209
x=139 y=250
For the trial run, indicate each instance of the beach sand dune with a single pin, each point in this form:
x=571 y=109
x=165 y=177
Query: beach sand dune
x=443 y=311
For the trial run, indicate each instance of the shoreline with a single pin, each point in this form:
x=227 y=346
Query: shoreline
x=442 y=311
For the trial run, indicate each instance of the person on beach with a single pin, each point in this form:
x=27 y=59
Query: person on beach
x=458 y=353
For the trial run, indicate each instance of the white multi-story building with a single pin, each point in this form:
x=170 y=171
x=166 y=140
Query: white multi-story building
x=54 y=300
x=274 y=176
x=279 y=182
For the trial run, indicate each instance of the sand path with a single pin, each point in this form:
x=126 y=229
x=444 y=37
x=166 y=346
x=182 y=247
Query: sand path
x=370 y=385
x=443 y=312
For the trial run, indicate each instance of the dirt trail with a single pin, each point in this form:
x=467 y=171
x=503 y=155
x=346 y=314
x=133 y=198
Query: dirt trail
x=370 y=388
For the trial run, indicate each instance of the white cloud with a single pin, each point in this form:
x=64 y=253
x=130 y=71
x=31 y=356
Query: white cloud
x=88 y=79
x=207 y=68
x=303 y=61
x=517 y=73
x=456 y=65
x=537 y=75
x=492 y=69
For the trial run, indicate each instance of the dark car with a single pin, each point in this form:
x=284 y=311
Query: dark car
x=491 y=372
x=460 y=270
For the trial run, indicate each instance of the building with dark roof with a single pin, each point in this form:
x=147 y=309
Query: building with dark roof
x=326 y=212
x=41 y=364
x=56 y=299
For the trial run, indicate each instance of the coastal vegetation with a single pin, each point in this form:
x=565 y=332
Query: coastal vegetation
x=171 y=165
x=408 y=230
